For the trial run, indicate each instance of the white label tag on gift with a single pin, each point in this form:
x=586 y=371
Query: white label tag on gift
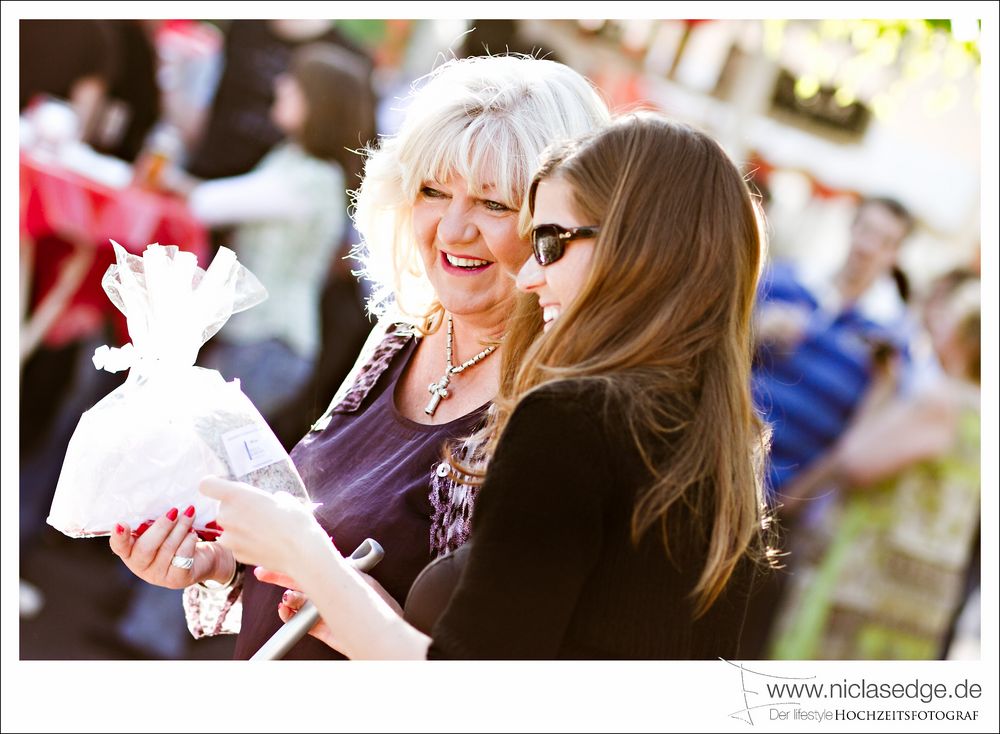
x=251 y=447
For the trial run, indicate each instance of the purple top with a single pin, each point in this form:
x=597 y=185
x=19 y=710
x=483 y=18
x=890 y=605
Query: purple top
x=370 y=468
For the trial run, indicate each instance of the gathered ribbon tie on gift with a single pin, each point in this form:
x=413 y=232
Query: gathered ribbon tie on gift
x=114 y=359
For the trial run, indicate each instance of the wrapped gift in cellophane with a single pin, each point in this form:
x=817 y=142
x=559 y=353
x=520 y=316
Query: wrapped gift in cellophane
x=144 y=447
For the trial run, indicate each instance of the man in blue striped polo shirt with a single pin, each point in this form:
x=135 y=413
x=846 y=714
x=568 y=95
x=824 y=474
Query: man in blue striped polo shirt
x=820 y=344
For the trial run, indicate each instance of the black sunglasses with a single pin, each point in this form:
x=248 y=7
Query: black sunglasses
x=548 y=241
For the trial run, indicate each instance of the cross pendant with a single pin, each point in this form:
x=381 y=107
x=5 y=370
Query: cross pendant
x=438 y=390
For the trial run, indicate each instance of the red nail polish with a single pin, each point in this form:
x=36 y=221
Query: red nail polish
x=189 y=512
x=172 y=515
x=119 y=529
x=143 y=528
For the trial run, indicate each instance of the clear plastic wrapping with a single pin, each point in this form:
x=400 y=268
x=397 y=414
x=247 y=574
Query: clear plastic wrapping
x=144 y=447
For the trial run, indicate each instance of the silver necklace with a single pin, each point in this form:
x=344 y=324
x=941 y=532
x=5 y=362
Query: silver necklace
x=439 y=389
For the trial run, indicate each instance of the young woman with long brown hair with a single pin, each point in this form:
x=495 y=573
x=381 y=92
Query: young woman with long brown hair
x=621 y=506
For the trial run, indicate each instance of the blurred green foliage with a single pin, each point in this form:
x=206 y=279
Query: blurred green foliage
x=368 y=32
x=846 y=53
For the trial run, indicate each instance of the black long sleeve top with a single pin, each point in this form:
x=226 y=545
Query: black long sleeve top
x=551 y=571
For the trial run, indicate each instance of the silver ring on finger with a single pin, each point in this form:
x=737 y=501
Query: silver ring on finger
x=184 y=562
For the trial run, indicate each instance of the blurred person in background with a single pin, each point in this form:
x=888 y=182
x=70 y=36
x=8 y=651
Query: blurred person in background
x=77 y=61
x=239 y=128
x=106 y=69
x=74 y=60
x=232 y=136
x=883 y=572
x=133 y=102
x=820 y=344
x=116 y=122
x=95 y=65
x=290 y=214
x=441 y=209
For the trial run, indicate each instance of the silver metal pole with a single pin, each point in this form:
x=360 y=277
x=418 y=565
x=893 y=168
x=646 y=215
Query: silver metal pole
x=365 y=558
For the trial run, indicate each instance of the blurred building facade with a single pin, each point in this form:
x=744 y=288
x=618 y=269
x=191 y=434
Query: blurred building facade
x=824 y=112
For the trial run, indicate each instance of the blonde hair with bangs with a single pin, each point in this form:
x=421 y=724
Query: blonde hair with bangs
x=486 y=119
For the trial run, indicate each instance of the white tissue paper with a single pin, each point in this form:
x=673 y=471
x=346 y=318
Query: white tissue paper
x=145 y=446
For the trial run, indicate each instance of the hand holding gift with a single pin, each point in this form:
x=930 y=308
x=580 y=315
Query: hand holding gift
x=158 y=555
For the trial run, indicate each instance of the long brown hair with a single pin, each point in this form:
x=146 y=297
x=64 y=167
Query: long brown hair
x=663 y=325
x=341 y=105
